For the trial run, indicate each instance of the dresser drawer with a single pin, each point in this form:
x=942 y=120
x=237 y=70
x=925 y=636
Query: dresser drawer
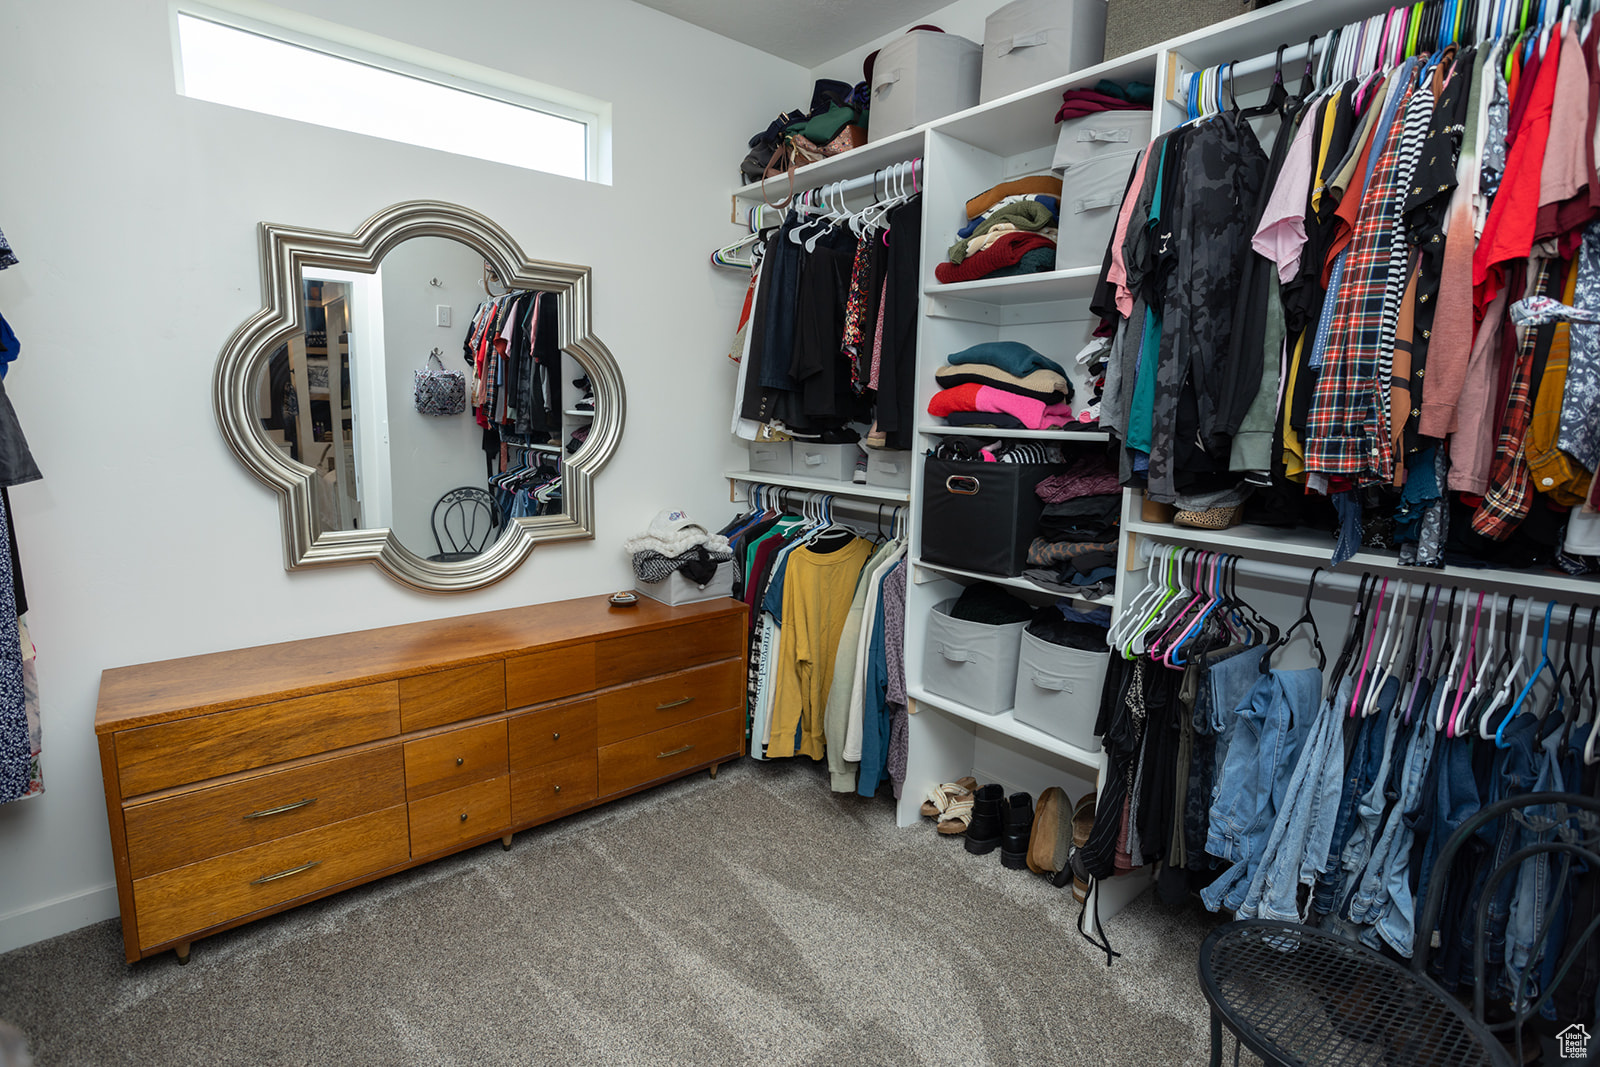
x=623 y=659
x=540 y=792
x=176 y=903
x=662 y=702
x=635 y=762
x=168 y=833
x=552 y=734
x=452 y=695
x=454 y=758
x=449 y=819
x=540 y=677
x=208 y=746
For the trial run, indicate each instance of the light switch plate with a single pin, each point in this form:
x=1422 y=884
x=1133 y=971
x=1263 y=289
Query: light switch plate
x=441 y=314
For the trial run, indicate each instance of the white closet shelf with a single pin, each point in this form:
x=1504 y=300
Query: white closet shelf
x=871 y=156
x=1066 y=434
x=579 y=414
x=1075 y=283
x=1005 y=723
x=1310 y=548
x=821 y=485
x=936 y=571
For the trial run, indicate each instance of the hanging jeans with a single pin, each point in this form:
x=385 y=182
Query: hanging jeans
x=1384 y=899
x=1304 y=824
x=1269 y=727
x=1360 y=769
x=1534 y=884
x=1366 y=818
x=1456 y=800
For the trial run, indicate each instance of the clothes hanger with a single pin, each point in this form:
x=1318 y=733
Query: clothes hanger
x=1447 y=722
x=1122 y=627
x=1507 y=668
x=1306 y=619
x=1356 y=697
x=1544 y=661
x=1447 y=674
x=1458 y=721
x=1586 y=690
x=1174 y=593
x=1352 y=636
x=1558 y=704
x=1214 y=597
x=1176 y=623
x=1381 y=663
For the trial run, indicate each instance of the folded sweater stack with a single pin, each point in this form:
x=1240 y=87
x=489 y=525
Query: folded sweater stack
x=1011 y=229
x=1076 y=549
x=1003 y=384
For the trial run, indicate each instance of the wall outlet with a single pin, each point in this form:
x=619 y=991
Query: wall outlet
x=441 y=314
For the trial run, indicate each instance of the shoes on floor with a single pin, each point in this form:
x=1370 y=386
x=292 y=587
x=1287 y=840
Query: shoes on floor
x=1016 y=815
x=951 y=804
x=1052 y=832
x=1082 y=825
x=985 y=830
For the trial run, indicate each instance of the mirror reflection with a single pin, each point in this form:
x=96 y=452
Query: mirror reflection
x=429 y=399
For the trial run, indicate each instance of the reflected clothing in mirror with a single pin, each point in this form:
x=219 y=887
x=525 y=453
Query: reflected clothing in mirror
x=513 y=346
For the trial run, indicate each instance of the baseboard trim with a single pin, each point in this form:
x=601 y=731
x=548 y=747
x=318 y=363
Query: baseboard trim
x=40 y=922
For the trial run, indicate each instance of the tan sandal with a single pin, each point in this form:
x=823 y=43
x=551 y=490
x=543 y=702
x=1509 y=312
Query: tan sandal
x=1082 y=825
x=958 y=816
x=940 y=796
x=1052 y=833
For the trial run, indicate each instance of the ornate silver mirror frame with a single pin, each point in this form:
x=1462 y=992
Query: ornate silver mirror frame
x=285 y=251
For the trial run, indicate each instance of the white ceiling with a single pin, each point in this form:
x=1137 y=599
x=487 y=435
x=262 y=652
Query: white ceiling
x=807 y=32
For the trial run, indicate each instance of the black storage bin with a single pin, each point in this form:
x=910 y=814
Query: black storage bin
x=981 y=516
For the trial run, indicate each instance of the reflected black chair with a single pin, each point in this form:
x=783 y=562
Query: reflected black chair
x=466 y=520
x=1294 y=994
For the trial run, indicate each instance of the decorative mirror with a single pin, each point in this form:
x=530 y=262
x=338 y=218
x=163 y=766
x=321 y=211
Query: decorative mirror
x=320 y=396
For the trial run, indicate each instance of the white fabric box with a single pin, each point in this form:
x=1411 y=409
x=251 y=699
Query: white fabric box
x=889 y=468
x=834 y=463
x=772 y=457
x=1029 y=42
x=1105 y=133
x=1058 y=690
x=679 y=590
x=1091 y=198
x=972 y=663
x=920 y=77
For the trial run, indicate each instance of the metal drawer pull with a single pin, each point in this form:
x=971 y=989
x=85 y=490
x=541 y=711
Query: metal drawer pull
x=674 y=703
x=558 y=789
x=556 y=736
x=264 y=812
x=285 y=874
x=674 y=752
x=463 y=816
x=459 y=761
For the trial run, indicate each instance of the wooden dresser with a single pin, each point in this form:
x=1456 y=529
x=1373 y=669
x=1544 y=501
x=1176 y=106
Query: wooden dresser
x=242 y=783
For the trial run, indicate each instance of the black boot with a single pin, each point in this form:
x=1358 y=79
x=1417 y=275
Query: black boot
x=1016 y=815
x=983 y=832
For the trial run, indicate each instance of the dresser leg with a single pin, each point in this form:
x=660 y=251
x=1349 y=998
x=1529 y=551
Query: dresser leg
x=505 y=842
x=182 y=952
x=714 y=767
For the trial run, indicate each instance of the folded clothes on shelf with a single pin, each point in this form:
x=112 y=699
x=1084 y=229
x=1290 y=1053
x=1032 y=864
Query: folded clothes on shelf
x=1044 y=385
x=1033 y=414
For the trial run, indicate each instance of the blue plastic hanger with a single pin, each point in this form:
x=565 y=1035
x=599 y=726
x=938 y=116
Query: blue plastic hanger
x=1544 y=663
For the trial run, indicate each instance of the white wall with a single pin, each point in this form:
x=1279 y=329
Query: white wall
x=134 y=213
x=428 y=454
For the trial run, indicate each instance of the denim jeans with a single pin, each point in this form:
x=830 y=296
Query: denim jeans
x=1455 y=801
x=1231 y=682
x=1513 y=772
x=1366 y=820
x=1534 y=879
x=1268 y=731
x=1304 y=822
x=1384 y=898
x=1360 y=769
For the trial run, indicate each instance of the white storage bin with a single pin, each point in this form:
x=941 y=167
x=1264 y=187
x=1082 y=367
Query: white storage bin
x=1105 y=133
x=1091 y=197
x=680 y=590
x=1058 y=690
x=920 y=77
x=1029 y=42
x=889 y=468
x=772 y=457
x=972 y=663
x=834 y=463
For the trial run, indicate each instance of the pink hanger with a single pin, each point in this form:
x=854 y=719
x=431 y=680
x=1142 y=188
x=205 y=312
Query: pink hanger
x=1366 y=655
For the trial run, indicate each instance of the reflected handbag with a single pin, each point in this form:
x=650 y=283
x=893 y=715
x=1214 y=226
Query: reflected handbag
x=440 y=392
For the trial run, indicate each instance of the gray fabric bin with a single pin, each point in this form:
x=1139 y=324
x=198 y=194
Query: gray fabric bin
x=1058 y=690
x=1105 y=133
x=922 y=76
x=772 y=457
x=889 y=468
x=835 y=463
x=1029 y=42
x=971 y=663
x=1091 y=197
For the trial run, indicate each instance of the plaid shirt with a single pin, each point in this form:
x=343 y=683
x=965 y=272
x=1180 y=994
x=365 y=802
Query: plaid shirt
x=1510 y=493
x=1345 y=429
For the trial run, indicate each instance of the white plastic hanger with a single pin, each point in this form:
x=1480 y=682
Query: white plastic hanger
x=1383 y=663
x=1458 y=723
x=1502 y=696
x=1448 y=678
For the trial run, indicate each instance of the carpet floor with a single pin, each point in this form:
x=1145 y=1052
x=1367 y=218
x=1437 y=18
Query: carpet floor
x=754 y=919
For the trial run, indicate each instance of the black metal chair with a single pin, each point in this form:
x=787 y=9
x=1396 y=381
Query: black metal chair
x=467 y=520
x=1294 y=994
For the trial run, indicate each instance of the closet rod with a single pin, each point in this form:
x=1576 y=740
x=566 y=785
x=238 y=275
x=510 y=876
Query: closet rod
x=867 y=181
x=1293 y=57
x=784 y=496
x=1350 y=581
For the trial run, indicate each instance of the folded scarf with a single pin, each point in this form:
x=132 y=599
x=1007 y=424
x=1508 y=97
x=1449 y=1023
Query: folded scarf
x=1013 y=357
x=1045 y=385
x=1034 y=414
x=1048 y=184
x=1005 y=252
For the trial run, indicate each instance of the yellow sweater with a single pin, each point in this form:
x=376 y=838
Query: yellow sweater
x=817 y=589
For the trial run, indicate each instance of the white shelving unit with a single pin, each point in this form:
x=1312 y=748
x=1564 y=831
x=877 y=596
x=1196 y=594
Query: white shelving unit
x=963 y=155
